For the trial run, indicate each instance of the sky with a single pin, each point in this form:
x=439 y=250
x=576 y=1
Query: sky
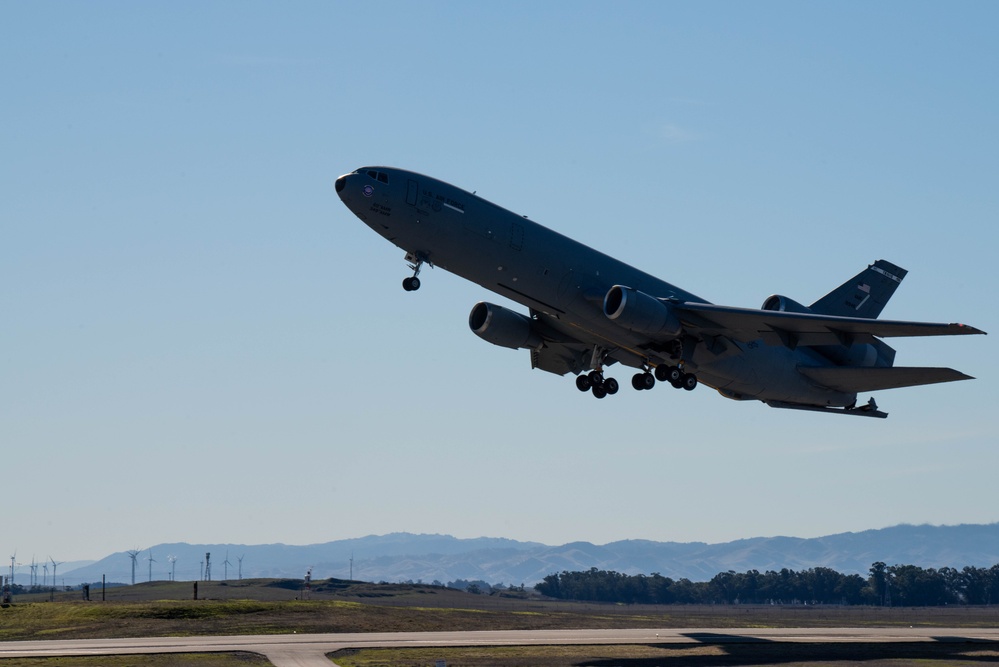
x=200 y=343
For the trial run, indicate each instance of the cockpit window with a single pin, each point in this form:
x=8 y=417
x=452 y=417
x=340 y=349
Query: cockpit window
x=379 y=176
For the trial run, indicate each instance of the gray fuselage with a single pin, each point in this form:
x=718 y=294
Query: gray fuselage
x=543 y=270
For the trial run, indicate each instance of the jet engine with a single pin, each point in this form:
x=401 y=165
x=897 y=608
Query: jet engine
x=502 y=326
x=859 y=355
x=784 y=304
x=641 y=313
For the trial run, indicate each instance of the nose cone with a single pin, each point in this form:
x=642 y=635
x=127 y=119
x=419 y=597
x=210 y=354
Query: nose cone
x=340 y=183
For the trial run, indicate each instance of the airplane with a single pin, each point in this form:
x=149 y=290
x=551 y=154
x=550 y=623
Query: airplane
x=588 y=311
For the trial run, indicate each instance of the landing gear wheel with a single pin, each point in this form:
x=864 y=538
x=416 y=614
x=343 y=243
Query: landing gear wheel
x=611 y=386
x=583 y=383
x=688 y=381
x=599 y=392
x=596 y=378
x=411 y=284
x=642 y=381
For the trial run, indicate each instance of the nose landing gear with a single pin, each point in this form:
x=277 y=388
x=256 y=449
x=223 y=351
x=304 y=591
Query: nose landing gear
x=416 y=262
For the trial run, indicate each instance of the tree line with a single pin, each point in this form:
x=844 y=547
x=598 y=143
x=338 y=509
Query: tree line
x=885 y=585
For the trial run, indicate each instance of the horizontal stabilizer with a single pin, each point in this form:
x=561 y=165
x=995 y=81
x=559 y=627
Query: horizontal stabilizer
x=852 y=380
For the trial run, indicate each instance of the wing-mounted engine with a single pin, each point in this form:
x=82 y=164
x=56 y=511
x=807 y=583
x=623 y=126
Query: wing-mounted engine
x=502 y=326
x=638 y=312
x=784 y=304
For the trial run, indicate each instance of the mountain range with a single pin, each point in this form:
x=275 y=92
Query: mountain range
x=428 y=558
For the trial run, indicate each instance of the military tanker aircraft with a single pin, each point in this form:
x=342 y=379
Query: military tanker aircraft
x=587 y=311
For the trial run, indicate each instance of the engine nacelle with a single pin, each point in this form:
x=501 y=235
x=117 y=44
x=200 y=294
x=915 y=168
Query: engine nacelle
x=867 y=355
x=641 y=313
x=859 y=355
x=784 y=304
x=502 y=326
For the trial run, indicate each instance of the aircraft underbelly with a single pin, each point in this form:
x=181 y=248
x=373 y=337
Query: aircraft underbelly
x=768 y=373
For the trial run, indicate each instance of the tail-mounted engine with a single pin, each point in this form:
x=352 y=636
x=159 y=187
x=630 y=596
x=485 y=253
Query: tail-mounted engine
x=784 y=304
x=865 y=355
x=502 y=326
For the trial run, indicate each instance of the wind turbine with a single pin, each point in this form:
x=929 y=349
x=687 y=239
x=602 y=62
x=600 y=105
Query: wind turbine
x=34 y=572
x=225 y=568
x=173 y=567
x=12 y=559
x=54 y=566
x=151 y=561
x=133 y=554
x=240 y=559
x=45 y=573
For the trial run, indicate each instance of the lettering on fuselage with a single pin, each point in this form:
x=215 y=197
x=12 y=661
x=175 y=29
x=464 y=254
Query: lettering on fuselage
x=379 y=208
x=438 y=202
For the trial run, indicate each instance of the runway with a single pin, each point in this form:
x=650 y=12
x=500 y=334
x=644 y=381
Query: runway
x=311 y=650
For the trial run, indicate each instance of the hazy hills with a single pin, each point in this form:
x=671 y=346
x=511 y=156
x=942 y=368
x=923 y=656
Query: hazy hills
x=404 y=556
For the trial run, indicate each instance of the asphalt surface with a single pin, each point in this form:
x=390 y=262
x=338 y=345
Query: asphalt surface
x=311 y=650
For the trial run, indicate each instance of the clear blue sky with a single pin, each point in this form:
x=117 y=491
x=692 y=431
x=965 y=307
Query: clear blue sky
x=200 y=343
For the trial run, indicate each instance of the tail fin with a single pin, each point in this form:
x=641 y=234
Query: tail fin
x=864 y=295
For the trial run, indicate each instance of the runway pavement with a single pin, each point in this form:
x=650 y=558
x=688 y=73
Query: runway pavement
x=310 y=650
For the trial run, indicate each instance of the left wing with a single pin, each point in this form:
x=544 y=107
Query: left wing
x=793 y=329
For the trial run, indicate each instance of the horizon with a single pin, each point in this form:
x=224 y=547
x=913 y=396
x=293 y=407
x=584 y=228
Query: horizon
x=410 y=557
x=23 y=566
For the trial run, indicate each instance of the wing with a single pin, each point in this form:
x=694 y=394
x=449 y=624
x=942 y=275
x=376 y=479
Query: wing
x=854 y=380
x=793 y=329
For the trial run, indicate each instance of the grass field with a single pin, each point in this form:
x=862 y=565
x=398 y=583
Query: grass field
x=277 y=606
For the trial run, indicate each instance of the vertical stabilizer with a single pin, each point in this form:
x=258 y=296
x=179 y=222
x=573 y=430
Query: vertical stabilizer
x=864 y=295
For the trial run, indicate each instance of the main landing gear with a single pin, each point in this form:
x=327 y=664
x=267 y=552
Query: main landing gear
x=672 y=374
x=676 y=377
x=595 y=382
